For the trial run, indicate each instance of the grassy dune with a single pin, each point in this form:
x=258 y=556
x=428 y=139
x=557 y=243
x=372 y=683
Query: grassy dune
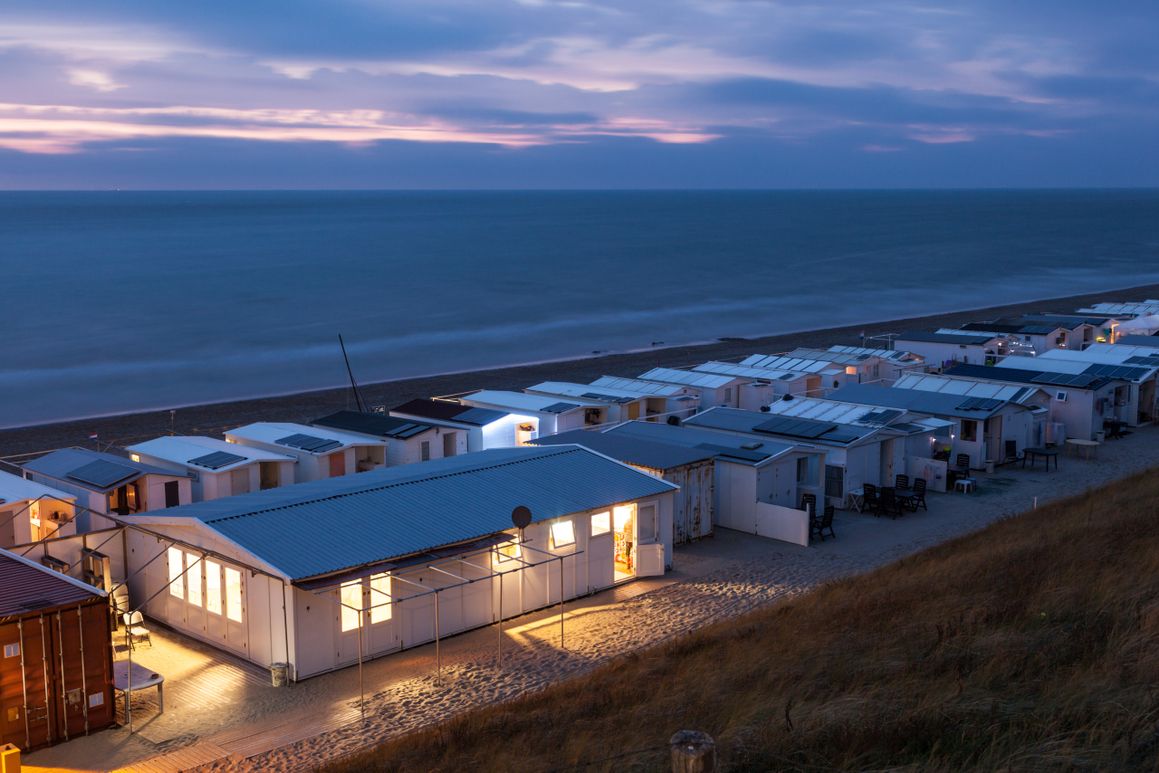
x=1032 y=644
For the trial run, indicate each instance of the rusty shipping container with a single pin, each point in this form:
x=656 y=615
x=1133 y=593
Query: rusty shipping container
x=56 y=656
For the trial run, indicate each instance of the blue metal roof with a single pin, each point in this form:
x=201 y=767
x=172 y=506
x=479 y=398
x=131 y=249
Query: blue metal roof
x=329 y=525
x=751 y=451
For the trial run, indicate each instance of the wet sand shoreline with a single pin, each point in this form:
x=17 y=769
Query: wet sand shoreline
x=213 y=418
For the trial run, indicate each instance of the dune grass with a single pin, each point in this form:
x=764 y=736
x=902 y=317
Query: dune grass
x=1033 y=644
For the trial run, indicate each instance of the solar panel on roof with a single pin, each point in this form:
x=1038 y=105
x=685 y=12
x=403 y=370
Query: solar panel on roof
x=217 y=460
x=735 y=453
x=979 y=404
x=1115 y=371
x=884 y=416
x=102 y=473
x=607 y=398
x=792 y=427
x=559 y=407
x=309 y=443
x=408 y=430
x=475 y=415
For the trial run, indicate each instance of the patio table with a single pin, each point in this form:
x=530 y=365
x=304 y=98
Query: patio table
x=142 y=679
x=1045 y=454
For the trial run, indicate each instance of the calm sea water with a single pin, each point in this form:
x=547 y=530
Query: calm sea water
x=123 y=301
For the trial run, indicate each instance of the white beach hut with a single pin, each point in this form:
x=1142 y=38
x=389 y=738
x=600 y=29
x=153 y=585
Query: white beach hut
x=320 y=452
x=31 y=511
x=216 y=468
x=407 y=441
x=325 y=574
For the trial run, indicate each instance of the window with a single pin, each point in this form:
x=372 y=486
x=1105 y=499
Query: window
x=509 y=550
x=563 y=533
x=213 y=587
x=193 y=578
x=803 y=470
x=380 y=610
x=233 y=594
x=176 y=586
x=350 y=594
x=601 y=523
x=969 y=430
x=727 y=395
x=1060 y=396
x=426 y=450
x=834 y=481
x=12 y=650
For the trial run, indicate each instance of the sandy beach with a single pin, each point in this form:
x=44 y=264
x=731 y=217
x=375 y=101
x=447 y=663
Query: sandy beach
x=214 y=418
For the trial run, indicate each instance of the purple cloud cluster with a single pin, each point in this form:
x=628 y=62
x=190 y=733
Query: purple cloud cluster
x=431 y=93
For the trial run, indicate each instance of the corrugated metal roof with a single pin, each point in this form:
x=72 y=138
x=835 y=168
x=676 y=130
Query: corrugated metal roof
x=631 y=450
x=329 y=525
x=181 y=449
x=13 y=488
x=688 y=377
x=60 y=463
x=27 y=587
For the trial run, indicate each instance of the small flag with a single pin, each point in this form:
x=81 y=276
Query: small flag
x=93 y=436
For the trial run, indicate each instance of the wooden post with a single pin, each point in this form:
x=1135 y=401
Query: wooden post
x=692 y=752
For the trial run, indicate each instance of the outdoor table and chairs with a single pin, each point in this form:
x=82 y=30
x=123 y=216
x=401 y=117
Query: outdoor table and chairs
x=1045 y=454
x=1088 y=448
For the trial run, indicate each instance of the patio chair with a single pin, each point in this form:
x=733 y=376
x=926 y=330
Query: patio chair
x=809 y=502
x=901 y=482
x=888 y=503
x=820 y=525
x=870 y=498
x=135 y=629
x=917 y=497
x=962 y=463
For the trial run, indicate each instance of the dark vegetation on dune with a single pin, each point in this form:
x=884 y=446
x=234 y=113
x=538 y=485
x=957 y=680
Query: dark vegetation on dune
x=1033 y=644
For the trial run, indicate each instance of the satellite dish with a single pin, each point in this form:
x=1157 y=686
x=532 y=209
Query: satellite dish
x=521 y=517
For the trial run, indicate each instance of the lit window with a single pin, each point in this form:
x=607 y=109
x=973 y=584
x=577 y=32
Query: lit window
x=969 y=430
x=233 y=594
x=562 y=533
x=379 y=598
x=350 y=595
x=12 y=650
x=176 y=587
x=193 y=578
x=213 y=587
x=601 y=523
x=509 y=550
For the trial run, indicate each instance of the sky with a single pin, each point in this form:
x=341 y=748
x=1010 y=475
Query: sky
x=106 y=94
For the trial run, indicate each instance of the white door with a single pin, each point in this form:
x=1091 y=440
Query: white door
x=601 y=564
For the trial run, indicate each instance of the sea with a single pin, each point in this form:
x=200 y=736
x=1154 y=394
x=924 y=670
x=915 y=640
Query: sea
x=125 y=301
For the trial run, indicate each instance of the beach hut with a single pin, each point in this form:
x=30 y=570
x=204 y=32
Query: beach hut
x=320 y=452
x=757 y=482
x=56 y=656
x=1126 y=310
x=1082 y=330
x=613 y=405
x=689 y=468
x=868 y=365
x=407 y=441
x=908 y=443
x=855 y=454
x=993 y=429
x=1135 y=368
x=484 y=427
x=324 y=574
x=710 y=388
x=944 y=349
x=531 y=416
x=106 y=483
x=215 y=467
x=1039 y=336
x=764 y=385
x=664 y=400
x=31 y=511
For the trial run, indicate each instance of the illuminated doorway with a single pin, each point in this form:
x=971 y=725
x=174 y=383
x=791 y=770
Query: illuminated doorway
x=624 y=533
